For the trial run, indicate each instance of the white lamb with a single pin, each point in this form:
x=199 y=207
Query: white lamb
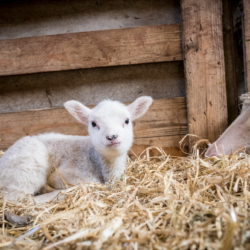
x=30 y=163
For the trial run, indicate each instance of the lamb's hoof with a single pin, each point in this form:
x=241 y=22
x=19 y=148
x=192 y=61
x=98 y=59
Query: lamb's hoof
x=17 y=220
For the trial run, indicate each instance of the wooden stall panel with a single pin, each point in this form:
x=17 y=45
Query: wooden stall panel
x=204 y=68
x=90 y=86
x=163 y=125
x=41 y=18
x=90 y=49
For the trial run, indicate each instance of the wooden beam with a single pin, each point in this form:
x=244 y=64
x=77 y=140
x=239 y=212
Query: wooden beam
x=90 y=49
x=164 y=125
x=204 y=68
x=246 y=36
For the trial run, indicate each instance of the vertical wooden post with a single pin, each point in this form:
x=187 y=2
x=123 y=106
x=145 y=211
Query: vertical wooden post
x=204 y=68
x=246 y=9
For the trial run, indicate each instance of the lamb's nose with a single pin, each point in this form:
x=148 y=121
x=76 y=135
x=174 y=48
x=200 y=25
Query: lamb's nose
x=112 y=137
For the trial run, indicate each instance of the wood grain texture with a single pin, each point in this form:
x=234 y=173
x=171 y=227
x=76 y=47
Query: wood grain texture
x=126 y=83
x=164 y=125
x=246 y=38
x=90 y=49
x=204 y=68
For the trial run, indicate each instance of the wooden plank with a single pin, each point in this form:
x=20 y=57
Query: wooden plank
x=90 y=49
x=51 y=89
x=164 y=125
x=204 y=68
x=246 y=38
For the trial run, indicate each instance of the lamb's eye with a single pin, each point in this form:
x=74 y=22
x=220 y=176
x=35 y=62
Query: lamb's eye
x=93 y=124
x=127 y=121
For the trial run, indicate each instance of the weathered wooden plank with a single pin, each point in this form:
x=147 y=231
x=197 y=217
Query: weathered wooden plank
x=164 y=125
x=51 y=89
x=246 y=8
x=204 y=68
x=173 y=147
x=90 y=49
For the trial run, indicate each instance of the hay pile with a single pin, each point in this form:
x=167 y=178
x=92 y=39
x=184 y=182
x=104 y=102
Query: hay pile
x=161 y=203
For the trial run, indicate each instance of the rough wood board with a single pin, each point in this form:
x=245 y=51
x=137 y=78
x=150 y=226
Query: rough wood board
x=41 y=18
x=246 y=38
x=90 y=86
x=164 y=125
x=90 y=49
x=204 y=68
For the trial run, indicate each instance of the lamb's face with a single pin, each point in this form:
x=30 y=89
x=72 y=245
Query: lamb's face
x=110 y=128
x=109 y=123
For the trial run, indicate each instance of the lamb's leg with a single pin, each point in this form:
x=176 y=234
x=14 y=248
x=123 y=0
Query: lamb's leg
x=44 y=198
x=47 y=189
x=24 y=168
x=48 y=194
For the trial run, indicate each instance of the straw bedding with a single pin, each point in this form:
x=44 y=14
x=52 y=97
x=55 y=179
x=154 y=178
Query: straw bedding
x=160 y=203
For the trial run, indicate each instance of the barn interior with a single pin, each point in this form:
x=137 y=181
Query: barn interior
x=192 y=57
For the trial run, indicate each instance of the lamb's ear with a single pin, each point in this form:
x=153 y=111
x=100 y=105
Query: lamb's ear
x=139 y=107
x=78 y=110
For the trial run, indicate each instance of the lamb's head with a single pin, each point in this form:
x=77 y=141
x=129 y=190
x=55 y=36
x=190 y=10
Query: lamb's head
x=110 y=123
x=237 y=135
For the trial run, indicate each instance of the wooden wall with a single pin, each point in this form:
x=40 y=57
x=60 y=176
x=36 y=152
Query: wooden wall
x=204 y=68
x=88 y=51
x=51 y=52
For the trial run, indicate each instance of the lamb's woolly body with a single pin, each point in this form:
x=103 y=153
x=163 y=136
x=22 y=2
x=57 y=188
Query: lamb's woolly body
x=79 y=150
x=24 y=168
x=31 y=162
x=80 y=153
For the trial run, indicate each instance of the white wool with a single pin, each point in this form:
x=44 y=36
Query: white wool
x=30 y=163
x=245 y=98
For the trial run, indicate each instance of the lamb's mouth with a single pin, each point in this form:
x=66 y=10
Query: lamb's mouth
x=114 y=144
